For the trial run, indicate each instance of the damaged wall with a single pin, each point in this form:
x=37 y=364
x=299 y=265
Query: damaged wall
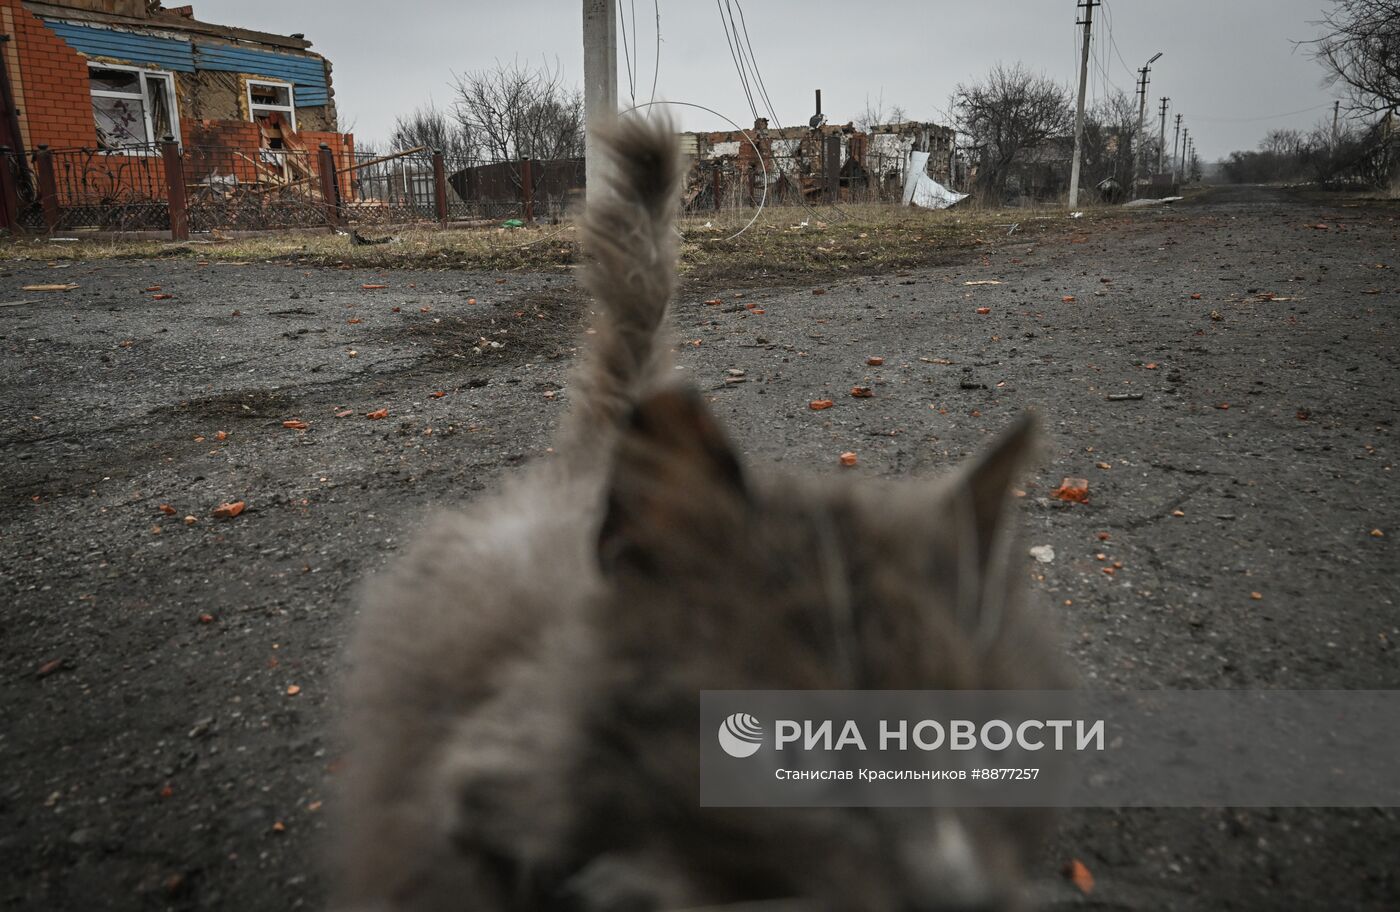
x=835 y=161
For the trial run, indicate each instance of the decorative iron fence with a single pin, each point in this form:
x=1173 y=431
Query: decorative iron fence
x=164 y=186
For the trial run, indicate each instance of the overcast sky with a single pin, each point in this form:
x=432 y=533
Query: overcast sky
x=1229 y=66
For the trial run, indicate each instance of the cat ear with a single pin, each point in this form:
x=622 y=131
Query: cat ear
x=676 y=489
x=986 y=481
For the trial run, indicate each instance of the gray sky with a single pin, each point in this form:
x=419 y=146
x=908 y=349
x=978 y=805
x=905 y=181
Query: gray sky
x=1228 y=65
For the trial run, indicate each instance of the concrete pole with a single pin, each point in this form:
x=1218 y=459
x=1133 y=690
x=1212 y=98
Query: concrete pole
x=1162 y=136
x=1079 y=107
x=599 y=81
x=1139 y=159
x=1176 y=158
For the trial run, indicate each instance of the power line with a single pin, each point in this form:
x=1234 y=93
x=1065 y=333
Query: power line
x=656 y=61
x=626 y=55
x=733 y=54
x=1326 y=104
x=762 y=89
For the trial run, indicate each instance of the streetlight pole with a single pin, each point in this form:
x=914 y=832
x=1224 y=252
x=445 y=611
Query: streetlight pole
x=1139 y=159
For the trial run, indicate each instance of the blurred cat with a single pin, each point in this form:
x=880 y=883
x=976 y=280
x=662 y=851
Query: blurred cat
x=524 y=695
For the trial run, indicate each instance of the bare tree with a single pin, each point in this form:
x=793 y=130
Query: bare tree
x=876 y=113
x=513 y=111
x=1109 y=130
x=1285 y=143
x=1011 y=112
x=1361 y=51
x=434 y=128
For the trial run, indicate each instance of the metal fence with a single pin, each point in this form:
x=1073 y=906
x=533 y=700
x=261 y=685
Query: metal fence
x=165 y=186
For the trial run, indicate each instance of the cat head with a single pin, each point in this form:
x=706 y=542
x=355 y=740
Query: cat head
x=717 y=577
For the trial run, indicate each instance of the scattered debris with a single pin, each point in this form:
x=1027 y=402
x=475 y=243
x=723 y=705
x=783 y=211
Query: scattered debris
x=295 y=424
x=51 y=287
x=48 y=668
x=1072 y=490
x=983 y=282
x=1078 y=874
x=848 y=458
x=874 y=361
x=1123 y=397
x=862 y=392
x=818 y=405
x=377 y=414
x=1045 y=554
x=229 y=510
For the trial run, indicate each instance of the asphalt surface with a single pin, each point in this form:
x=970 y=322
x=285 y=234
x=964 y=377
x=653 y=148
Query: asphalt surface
x=169 y=676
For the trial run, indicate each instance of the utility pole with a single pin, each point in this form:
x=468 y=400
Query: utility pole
x=1162 y=134
x=1176 y=159
x=1088 y=23
x=1140 y=160
x=1186 y=153
x=599 y=82
x=1336 y=107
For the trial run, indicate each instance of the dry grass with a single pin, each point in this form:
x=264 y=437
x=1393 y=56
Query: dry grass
x=778 y=247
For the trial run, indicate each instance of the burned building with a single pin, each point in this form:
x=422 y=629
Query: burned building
x=823 y=163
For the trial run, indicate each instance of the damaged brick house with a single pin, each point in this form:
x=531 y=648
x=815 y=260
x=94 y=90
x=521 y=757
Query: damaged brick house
x=112 y=74
x=825 y=163
x=91 y=88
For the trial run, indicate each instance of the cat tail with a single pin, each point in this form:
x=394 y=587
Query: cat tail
x=629 y=235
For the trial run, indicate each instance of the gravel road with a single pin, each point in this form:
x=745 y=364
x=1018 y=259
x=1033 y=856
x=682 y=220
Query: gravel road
x=1222 y=373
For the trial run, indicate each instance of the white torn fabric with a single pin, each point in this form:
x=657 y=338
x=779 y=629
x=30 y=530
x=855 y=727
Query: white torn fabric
x=924 y=191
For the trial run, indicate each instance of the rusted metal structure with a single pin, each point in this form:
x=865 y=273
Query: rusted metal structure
x=825 y=163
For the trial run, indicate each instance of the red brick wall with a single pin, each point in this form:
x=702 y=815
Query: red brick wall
x=50 y=82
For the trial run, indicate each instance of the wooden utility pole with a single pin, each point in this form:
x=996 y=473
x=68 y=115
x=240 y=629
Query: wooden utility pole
x=1162 y=134
x=1088 y=23
x=1176 y=159
x=1186 y=154
x=599 y=82
x=1336 y=107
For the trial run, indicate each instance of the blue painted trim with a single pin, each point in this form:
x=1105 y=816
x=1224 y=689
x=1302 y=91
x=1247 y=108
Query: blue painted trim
x=166 y=53
x=306 y=74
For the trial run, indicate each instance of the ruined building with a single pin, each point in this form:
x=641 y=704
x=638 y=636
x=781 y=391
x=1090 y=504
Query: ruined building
x=124 y=74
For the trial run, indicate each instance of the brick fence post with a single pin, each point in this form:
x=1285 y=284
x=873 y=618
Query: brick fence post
x=175 y=189
x=440 y=187
x=527 y=190
x=48 y=189
x=9 y=196
x=330 y=187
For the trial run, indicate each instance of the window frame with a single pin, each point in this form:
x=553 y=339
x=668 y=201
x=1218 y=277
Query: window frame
x=143 y=75
x=289 y=109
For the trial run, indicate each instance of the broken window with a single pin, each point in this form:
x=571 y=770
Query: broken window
x=271 y=103
x=132 y=107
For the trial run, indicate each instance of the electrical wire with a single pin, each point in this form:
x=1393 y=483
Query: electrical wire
x=1325 y=104
x=763 y=200
x=752 y=62
x=733 y=54
x=627 y=55
x=656 y=61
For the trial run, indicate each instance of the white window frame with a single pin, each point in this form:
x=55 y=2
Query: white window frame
x=143 y=75
x=290 y=109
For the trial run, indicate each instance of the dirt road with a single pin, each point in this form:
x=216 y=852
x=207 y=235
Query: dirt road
x=1223 y=374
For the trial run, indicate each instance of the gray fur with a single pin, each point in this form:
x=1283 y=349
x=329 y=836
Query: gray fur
x=523 y=694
